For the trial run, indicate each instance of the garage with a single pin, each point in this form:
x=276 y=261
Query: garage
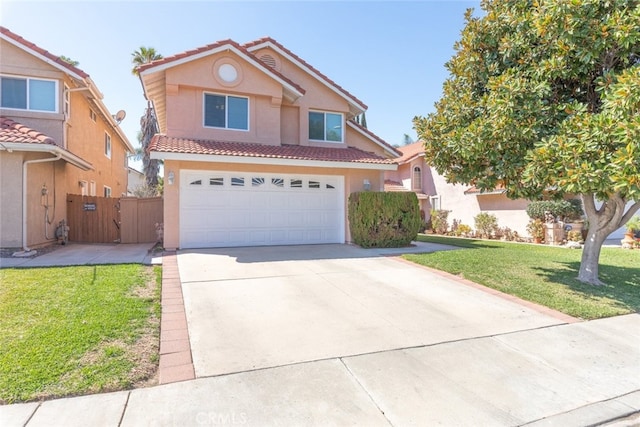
x=225 y=209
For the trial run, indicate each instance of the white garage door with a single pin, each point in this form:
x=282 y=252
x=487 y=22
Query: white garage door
x=221 y=209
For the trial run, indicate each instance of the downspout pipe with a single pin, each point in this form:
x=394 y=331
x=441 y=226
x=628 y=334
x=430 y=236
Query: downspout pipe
x=24 y=194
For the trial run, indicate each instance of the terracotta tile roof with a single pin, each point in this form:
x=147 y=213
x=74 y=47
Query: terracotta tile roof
x=213 y=46
x=410 y=151
x=302 y=61
x=166 y=144
x=14 y=132
x=27 y=44
x=390 y=185
x=476 y=191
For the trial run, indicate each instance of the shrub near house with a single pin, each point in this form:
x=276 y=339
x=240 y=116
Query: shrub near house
x=384 y=220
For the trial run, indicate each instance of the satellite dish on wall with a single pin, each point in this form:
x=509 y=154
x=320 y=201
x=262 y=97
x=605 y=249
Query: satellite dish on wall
x=120 y=115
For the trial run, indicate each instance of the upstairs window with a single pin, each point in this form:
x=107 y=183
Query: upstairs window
x=325 y=126
x=107 y=145
x=226 y=112
x=28 y=94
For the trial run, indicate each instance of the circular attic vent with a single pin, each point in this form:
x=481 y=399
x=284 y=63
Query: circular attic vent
x=269 y=60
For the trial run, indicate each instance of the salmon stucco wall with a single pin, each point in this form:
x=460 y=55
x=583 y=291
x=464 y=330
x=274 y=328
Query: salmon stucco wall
x=464 y=207
x=46 y=198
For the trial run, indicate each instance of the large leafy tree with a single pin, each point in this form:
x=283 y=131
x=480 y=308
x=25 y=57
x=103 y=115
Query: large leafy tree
x=543 y=97
x=148 y=122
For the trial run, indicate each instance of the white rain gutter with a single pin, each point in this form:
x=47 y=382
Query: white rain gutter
x=24 y=194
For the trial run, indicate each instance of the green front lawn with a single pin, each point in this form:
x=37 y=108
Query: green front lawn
x=543 y=274
x=76 y=330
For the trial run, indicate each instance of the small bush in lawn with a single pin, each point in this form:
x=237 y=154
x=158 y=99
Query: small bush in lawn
x=486 y=224
x=384 y=220
x=439 y=223
x=463 y=230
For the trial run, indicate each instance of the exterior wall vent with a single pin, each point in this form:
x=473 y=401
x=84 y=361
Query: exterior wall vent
x=269 y=60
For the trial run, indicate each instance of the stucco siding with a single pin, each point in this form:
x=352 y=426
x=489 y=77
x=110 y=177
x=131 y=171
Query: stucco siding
x=10 y=199
x=80 y=133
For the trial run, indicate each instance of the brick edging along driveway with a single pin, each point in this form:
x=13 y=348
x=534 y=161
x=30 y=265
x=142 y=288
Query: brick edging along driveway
x=176 y=363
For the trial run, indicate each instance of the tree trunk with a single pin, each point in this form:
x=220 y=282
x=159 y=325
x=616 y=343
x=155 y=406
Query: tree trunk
x=602 y=222
x=591 y=257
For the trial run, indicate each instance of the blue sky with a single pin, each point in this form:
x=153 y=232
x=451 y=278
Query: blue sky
x=389 y=54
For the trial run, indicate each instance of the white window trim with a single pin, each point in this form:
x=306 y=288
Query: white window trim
x=107 y=143
x=416 y=184
x=436 y=199
x=92 y=188
x=84 y=187
x=325 y=126
x=106 y=191
x=56 y=100
x=92 y=115
x=226 y=106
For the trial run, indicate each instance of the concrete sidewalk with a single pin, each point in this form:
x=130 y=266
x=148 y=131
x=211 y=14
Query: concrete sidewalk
x=568 y=375
x=88 y=254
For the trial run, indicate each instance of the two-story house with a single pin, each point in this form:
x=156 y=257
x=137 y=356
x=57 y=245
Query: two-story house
x=56 y=138
x=259 y=147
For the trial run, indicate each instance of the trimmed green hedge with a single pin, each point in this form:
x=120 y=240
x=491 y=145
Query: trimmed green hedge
x=384 y=220
x=569 y=209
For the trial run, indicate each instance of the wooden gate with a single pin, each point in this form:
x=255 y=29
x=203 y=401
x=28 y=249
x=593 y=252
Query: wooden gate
x=93 y=219
x=139 y=218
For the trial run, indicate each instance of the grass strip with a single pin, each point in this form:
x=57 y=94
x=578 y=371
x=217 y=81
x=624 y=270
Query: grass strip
x=75 y=330
x=542 y=274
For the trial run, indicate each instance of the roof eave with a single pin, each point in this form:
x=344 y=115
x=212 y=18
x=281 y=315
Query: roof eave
x=215 y=158
x=47 y=148
x=389 y=149
x=297 y=93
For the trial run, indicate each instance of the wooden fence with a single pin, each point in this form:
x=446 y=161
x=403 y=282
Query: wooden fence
x=112 y=219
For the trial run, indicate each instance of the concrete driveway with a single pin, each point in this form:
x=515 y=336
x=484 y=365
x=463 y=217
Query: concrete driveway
x=339 y=335
x=253 y=308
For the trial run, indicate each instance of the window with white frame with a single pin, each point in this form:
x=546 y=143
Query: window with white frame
x=92 y=115
x=107 y=145
x=92 y=188
x=23 y=93
x=435 y=203
x=325 y=126
x=84 y=187
x=226 y=112
x=107 y=191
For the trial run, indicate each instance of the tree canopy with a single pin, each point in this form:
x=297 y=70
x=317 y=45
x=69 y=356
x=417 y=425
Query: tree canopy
x=543 y=98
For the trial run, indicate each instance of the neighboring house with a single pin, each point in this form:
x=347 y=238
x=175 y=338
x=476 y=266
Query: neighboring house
x=135 y=181
x=463 y=202
x=56 y=138
x=259 y=147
